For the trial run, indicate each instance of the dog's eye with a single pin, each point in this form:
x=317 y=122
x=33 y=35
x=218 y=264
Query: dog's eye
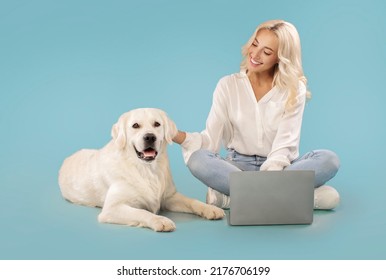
x=136 y=125
x=157 y=124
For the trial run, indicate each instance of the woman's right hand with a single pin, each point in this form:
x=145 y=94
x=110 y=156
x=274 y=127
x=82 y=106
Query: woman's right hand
x=180 y=137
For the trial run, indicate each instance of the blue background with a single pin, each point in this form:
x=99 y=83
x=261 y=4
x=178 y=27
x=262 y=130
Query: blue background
x=69 y=69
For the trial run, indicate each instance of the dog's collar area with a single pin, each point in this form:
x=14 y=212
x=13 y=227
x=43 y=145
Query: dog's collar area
x=149 y=154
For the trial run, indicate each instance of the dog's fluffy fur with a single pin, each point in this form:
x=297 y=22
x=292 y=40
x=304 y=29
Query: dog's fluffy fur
x=130 y=177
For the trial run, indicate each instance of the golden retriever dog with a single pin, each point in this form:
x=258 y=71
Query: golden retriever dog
x=130 y=177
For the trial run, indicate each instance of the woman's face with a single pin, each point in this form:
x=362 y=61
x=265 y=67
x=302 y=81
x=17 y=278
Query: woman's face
x=263 y=52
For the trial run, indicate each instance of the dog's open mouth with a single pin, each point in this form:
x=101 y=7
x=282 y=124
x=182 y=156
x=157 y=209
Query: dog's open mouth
x=148 y=154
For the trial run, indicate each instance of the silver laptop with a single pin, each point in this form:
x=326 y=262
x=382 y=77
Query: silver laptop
x=271 y=197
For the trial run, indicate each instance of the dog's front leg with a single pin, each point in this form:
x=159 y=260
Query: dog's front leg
x=119 y=209
x=177 y=202
x=126 y=215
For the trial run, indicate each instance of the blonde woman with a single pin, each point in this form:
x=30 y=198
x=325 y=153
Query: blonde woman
x=257 y=115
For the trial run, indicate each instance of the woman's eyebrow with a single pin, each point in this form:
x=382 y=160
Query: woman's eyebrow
x=257 y=41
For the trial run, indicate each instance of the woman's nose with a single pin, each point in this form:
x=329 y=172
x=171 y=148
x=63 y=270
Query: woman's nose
x=256 y=54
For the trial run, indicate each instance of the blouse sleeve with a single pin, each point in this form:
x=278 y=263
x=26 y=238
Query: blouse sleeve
x=210 y=138
x=285 y=147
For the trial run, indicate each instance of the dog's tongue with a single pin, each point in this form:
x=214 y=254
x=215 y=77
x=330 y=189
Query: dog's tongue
x=149 y=153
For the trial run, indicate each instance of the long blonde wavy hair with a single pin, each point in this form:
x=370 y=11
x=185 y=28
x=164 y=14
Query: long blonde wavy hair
x=289 y=70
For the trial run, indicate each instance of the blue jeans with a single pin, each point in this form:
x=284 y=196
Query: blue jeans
x=213 y=170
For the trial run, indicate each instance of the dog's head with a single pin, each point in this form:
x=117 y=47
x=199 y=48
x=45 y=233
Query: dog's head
x=143 y=133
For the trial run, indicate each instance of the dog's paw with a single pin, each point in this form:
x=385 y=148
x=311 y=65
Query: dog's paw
x=211 y=212
x=163 y=224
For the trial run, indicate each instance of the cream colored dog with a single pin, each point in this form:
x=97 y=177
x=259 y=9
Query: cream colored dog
x=130 y=177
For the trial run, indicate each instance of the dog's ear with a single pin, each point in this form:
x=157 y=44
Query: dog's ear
x=170 y=128
x=118 y=134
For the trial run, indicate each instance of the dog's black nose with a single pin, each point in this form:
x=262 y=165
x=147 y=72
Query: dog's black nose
x=149 y=138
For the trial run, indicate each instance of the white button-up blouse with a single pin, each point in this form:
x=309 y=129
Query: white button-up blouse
x=238 y=121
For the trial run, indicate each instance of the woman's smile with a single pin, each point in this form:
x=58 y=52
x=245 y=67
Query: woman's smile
x=255 y=62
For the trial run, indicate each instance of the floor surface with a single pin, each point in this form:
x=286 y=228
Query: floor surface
x=69 y=69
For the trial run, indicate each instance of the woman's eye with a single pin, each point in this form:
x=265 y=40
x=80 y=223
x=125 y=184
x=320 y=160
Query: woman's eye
x=136 y=125
x=267 y=53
